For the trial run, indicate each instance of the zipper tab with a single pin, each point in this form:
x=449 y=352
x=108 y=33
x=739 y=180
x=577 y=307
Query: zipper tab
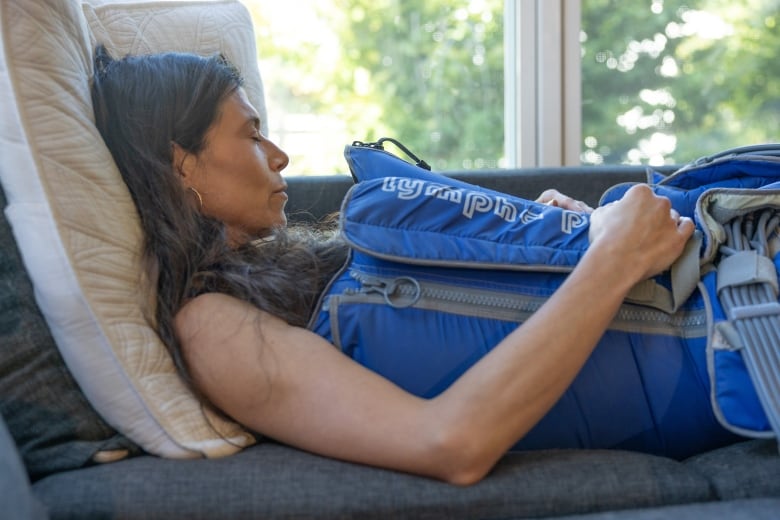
x=399 y=292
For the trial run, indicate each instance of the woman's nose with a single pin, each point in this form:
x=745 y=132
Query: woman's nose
x=277 y=158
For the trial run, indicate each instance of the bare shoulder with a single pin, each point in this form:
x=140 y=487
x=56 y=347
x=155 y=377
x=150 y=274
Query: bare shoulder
x=216 y=330
x=205 y=305
x=211 y=315
x=232 y=353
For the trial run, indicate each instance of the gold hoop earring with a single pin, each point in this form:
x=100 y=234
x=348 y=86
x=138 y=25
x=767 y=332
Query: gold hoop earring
x=197 y=194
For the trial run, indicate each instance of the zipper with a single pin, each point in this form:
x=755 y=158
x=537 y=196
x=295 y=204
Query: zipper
x=409 y=292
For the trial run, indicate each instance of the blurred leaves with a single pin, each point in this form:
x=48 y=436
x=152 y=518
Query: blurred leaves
x=664 y=81
x=714 y=61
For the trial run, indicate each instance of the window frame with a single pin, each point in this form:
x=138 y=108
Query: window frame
x=542 y=83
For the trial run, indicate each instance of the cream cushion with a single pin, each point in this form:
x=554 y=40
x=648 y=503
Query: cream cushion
x=153 y=26
x=72 y=215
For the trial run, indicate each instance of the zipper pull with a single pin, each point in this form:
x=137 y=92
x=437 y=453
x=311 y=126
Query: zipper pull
x=400 y=292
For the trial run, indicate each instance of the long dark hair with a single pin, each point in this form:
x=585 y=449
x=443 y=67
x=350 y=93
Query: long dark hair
x=142 y=105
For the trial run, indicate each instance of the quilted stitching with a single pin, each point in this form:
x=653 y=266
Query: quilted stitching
x=73 y=218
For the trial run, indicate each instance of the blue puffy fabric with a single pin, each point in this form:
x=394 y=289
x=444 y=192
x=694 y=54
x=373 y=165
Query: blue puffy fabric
x=684 y=187
x=440 y=271
x=734 y=396
x=502 y=231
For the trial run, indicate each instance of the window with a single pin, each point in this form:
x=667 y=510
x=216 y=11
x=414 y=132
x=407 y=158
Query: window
x=667 y=81
x=471 y=84
x=427 y=73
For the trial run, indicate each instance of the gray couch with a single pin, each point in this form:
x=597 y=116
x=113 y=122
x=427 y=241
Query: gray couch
x=47 y=463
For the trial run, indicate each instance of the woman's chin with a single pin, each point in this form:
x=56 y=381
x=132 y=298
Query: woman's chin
x=275 y=224
x=282 y=221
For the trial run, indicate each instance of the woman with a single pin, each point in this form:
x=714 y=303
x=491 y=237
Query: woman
x=232 y=304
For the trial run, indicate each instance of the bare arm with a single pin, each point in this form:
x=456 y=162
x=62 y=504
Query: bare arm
x=290 y=384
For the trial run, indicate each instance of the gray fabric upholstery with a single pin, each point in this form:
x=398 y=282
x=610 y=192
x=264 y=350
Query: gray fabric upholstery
x=756 y=509
x=269 y=480
x=16 y=499
x=744 y=470
x=52 y=423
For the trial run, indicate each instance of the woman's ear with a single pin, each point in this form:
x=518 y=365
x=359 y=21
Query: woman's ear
x=183 y=163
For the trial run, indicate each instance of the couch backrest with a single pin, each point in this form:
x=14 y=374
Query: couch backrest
x=313 y=198
x=52 y=423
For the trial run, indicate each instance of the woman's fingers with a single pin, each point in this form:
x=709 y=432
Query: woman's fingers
x=554 y=197
x=686 y=225
x=642 y=228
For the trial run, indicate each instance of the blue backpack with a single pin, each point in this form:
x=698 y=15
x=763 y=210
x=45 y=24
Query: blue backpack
x=440 y=271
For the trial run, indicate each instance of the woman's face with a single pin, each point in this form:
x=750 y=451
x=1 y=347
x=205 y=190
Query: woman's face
x=238 y=173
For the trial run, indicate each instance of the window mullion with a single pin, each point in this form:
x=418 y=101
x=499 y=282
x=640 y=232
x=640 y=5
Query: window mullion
x=542 y=82
x=572 y=83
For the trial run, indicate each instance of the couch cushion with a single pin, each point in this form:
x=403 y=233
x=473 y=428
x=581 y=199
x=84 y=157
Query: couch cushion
x=52 y=423
x=149 y=26
x=755 y=509
x=73 y=217
x=16 y=496
x=743 y=470
x=273 y=481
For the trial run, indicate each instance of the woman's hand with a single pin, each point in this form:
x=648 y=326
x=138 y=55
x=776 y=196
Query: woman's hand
x=556 y=198
x=641 y=230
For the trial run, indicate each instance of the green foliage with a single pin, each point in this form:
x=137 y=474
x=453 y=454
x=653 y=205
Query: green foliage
x=687 y=84
x=436 y=70
x=663 y=81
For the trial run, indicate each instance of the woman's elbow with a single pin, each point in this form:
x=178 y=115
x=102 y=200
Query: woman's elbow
x=462 y=458
x=465 y=477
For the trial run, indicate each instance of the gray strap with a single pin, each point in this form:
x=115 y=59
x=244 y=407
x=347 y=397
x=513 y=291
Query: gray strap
x=745 y=268
x=755 y=314
x=684 y=275
x=755 y=310
x=747 y=288
x=763 y=362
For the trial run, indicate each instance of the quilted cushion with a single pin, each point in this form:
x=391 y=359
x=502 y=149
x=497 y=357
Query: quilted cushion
x=149 y=26
x=72 y=216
